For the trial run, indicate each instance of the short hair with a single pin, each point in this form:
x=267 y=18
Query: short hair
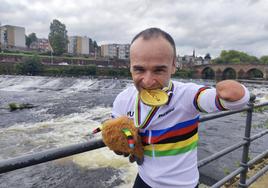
x=156 y=32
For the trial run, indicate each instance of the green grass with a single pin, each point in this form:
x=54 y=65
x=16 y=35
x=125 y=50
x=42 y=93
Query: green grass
x=47 y=56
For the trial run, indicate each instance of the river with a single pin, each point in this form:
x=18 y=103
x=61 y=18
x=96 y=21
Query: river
x=67 y=109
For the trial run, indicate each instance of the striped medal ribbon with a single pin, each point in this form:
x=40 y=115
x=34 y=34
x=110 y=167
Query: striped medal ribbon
x=154 y=108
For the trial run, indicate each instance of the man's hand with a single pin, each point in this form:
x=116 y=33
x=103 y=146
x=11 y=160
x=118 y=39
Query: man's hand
x=230 y=90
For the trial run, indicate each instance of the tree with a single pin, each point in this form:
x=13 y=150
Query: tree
x=235 y=57
x=30 y=66
x=264 y=59
x=30 y=39
x=58 y=38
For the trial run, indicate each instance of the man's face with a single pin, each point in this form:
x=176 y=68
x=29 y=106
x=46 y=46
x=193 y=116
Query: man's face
x=151 y=63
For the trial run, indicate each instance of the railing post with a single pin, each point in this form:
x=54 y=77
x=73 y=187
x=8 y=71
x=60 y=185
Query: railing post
x=244 y=160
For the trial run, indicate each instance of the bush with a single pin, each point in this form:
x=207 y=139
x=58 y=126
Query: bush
x=7 y=68
x=30 y=66
x=183 y=74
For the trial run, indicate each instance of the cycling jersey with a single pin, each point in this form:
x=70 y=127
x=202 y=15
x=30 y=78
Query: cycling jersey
x=170 y=133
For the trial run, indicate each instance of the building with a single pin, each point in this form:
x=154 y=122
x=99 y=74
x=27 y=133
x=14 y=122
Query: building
x=12 y=37
x=123 y=51
x=41 y=45
x=78 y=45
x=119 y=51
x=188 y=61
x=109 y=50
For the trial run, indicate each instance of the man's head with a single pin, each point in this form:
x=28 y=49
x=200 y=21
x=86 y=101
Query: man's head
x=152 y=59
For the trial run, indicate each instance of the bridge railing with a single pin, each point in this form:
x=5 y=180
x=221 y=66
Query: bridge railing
x=52 y=154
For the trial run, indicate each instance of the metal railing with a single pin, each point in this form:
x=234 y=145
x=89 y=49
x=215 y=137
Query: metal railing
x=52 y=154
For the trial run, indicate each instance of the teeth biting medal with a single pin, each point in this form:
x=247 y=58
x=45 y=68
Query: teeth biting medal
x=156 y=97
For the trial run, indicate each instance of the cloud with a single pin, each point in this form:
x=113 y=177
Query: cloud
x=206 y=26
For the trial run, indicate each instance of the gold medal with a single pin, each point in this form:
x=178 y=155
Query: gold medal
x=155 y=97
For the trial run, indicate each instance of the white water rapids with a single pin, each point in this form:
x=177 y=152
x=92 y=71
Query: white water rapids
x=70 y=108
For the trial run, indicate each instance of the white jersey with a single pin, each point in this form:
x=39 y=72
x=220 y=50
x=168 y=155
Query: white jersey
x=170 y=135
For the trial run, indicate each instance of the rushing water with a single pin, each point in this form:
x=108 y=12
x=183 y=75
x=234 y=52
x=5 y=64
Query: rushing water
x=67 y=109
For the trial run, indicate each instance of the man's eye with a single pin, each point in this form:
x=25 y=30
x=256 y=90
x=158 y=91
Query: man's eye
x=138 y=70
x=159 y=71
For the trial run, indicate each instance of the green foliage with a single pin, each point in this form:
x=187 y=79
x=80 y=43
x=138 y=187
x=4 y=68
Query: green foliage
x=30 y=39
x=237 y=164
x=58 y=38
x=183 y=73
x=264 y=59
x=30 y=66
x=226 y=171
x=118 y=72
x=70 y=70
x=7 y=68
x=260 y=109
x=233 y=56
x=14 y=106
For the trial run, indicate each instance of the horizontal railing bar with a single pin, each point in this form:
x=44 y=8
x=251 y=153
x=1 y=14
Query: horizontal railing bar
x=258 y=135
x=220 y=153
x=222 y=114
x=257 y=158
x=227 y=178
x=48 y=155
x=256 y=176
x=52 y=154
x=228 y=150
x=261 y=105
x=237 y=171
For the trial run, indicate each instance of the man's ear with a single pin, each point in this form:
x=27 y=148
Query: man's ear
x=174 y=67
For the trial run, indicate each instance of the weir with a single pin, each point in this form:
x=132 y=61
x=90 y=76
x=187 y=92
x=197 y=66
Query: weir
x=52 y=154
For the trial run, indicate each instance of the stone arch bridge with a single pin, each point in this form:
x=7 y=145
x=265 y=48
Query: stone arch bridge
x=231 y=71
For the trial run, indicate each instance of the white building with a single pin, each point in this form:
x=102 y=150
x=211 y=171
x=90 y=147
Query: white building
x=12 y=36
x=109 y=50
x=123 y=51
x=120 y=51
x=78 y=45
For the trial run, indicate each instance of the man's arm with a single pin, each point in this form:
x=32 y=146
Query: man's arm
x=230 y=90
x=228 y=95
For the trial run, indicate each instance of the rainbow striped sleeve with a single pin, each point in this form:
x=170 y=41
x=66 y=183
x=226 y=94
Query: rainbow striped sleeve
x=219 y=104
x=197 y=98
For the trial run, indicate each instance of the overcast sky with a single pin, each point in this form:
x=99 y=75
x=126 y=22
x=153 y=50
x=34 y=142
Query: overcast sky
x=208 y=26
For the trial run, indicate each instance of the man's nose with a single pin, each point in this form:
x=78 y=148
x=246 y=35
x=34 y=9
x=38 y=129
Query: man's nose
x=148 y=80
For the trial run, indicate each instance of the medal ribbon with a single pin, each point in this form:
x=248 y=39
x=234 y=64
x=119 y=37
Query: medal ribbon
x=152 y=111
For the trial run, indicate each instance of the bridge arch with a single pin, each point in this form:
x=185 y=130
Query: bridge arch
x=208 y=73
x=229 y=73
x=254 y=74
x=232 y=71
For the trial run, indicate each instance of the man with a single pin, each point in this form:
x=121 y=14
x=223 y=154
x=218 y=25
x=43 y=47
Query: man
x=169 y=132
